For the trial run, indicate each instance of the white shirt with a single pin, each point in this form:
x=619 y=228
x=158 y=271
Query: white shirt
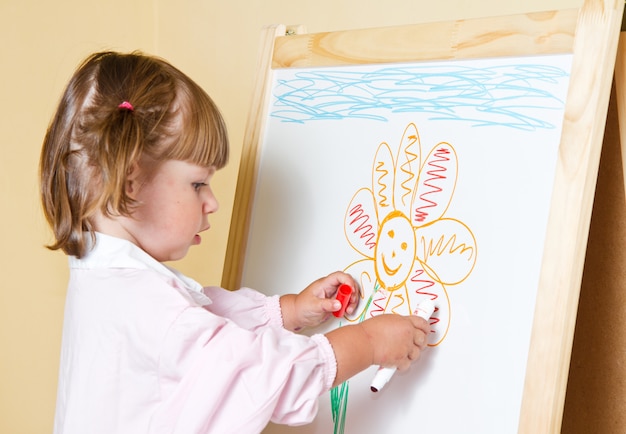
x=148 y=350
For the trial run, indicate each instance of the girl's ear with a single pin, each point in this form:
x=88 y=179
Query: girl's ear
x=132 y=180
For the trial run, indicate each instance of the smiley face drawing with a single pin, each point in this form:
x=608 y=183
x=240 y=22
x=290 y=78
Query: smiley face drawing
x=410 y=249
x=395 y=250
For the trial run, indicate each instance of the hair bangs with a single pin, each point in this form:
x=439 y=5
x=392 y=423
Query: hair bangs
x=202 y=138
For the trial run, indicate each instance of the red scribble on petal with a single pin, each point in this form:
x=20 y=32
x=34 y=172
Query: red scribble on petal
x=437 y=170
x=364 y=227
x=379 y=302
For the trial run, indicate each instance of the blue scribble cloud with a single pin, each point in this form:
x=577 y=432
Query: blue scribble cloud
x=515 y=96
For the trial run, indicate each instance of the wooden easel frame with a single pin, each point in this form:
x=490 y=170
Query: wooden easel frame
x=591 y=34
x=595 y=391
x=620 y=93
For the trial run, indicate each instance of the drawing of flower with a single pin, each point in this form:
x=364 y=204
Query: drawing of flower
x=410 y=249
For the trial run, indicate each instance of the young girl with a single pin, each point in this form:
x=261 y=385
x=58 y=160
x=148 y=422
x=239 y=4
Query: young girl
x=125 y=171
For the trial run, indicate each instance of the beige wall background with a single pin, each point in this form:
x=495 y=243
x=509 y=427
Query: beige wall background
x=216 y=43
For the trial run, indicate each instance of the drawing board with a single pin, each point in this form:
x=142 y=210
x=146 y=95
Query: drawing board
x=479 y=233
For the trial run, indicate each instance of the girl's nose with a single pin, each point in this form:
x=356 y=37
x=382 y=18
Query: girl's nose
x=210 y=204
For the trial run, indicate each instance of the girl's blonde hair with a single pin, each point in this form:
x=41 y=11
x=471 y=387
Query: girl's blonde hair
x=120 y=111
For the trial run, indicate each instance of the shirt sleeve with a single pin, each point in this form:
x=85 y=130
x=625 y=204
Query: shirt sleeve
x=246 y=307
x=220 y=378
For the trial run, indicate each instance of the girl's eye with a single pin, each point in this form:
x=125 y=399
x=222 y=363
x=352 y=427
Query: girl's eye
x=198 y=185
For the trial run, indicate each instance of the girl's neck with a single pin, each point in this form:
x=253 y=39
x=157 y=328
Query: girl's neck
x=115 y=226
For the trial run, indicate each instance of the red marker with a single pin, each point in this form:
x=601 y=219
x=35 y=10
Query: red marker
x=343 y=295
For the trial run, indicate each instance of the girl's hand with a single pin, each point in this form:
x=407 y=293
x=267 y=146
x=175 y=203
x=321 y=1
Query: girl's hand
x=387 y=340
x=316 y=302
x=397 y=340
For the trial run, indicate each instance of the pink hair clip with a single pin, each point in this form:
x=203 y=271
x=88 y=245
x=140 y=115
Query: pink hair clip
x=126 y=105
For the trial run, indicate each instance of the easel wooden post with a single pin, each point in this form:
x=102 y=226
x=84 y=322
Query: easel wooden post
x=568 y=225
x=620 y=88
x=596 y=392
